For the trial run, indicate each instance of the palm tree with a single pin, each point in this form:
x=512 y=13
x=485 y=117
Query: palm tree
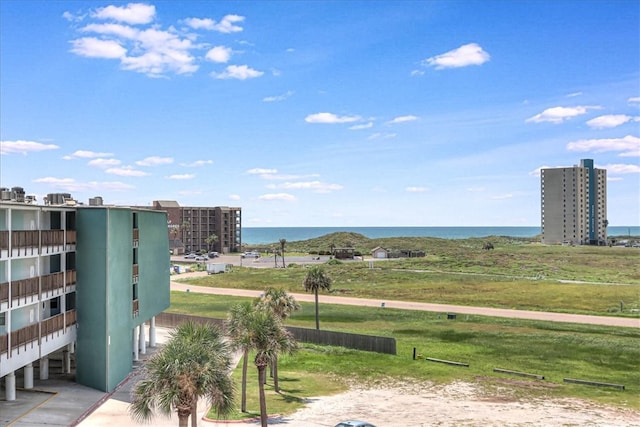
x=315 y=280
x=238 y=330
x=282 y=243
x=211 y=240
x=282 y=305
x=194 y=363
x=268 y=338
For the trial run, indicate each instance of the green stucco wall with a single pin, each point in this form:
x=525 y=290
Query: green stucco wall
x=104 y=255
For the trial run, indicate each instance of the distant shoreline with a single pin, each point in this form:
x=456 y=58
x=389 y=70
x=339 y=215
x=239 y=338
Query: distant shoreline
x=264 y=235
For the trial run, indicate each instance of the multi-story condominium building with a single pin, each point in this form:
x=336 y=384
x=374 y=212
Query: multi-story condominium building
x=193 y=226
x=80 y=283
x=574 y=204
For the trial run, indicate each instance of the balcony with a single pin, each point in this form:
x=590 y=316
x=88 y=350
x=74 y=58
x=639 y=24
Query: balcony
x=71 y=237
x=71 y=278
x=135 y=273
x=136 y=237
x=4 y=240
x=51 y=325
x=52 y=282
x=136 y=308
x=52 y=241
x=24 y=288
x=25 y=242
x=24 y=336
x=4 y=292
x=71 y=318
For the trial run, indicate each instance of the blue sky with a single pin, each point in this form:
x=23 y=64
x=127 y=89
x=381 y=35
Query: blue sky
x=313 y=113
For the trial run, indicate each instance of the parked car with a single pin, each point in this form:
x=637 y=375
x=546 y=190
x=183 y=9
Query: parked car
x=214 y=254
x=354 y=423
x=201 y=258
x=190 y=256
x=251 y=255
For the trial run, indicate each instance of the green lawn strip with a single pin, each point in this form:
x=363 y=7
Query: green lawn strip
x=297 y=385
x=444 y=288
x=555 y=350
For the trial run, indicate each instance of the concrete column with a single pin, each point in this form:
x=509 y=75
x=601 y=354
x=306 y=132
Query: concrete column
x=44 y=368
x=67 y=355
x=135 y=344
x=65 y=358
x=142 y=340
x=28 y=376
x=10 y=386
x=152 y=332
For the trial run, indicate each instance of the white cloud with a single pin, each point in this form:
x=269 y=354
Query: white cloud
x=182 y=176
x=468 y=54
x=634 y=100
x=234 y=197
x=362 y=126
x=262 y=171
x=155 y=161
x=537 y=172
x=85 y=154
x=278 y=98
x=402 y=119
x=560 y=114
x=608 y=121
x=92 y=47
x=133 y=13
x=239 y=72
x=197 y=163
x=71 y=185
x=122 y=31
x=476 y=189
x=226 y=25
x=621 y=169
x=629 y=146
x=103 y=163
x=219 y=54
x=200 y=23
x=278 y=196
x=417 y=73
x=24 y=147
x=416 y=189
x=317 y=186
x=126 y=171
x=502 y=196
x=382 y=135
x=330 y=118
x=574 y=94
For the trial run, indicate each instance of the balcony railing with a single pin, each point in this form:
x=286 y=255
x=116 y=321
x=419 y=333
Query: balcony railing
x=51 y=325
x=51 y=282
x=71 y=277
x=4 y=240
x=4 y=343
x=136 y=234
x=24 y=288
x=4 y=292
x=135 y=273
x=25 y=242
x=71 y=318
x=136 y=307
x=51 y=238
x=24 y=336
x=71 y=237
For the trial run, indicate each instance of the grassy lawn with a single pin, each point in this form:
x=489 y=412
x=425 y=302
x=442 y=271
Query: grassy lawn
x=519 y=274
x=555 y=350
x=420 y=282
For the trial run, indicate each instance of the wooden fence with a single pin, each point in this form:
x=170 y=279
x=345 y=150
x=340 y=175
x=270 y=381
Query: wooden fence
x=342 y=339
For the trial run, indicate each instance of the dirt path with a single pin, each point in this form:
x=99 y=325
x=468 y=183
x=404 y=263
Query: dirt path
x=442 y=308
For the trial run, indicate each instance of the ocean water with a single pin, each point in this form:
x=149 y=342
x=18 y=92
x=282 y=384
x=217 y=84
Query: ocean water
x=262 y=235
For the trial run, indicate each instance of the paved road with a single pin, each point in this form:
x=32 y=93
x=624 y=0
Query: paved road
x=442 y=308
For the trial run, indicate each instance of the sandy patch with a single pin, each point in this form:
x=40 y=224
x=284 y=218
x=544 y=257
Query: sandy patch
x=457 y=404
